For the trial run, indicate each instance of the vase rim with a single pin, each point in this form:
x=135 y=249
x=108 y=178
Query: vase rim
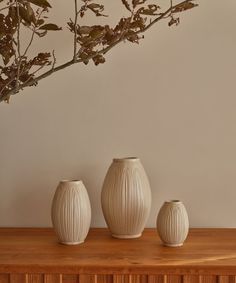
x=173 y=201
x=125 y=159
x=74 y=181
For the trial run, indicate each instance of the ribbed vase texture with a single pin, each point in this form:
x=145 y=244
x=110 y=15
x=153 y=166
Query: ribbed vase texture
x=173 y=223
x=126 y=198
x=71 y=212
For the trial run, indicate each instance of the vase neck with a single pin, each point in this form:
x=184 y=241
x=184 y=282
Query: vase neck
x=72 y=182
x=173 y=202
x=126 y=159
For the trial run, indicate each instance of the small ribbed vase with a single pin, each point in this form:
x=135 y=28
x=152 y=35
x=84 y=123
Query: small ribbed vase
x=126 y=198
x=173 y=223
x=71 y=212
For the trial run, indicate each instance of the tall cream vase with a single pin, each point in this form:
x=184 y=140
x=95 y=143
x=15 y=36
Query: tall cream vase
x=126 y=198
x=173 y=223
x=71 y=212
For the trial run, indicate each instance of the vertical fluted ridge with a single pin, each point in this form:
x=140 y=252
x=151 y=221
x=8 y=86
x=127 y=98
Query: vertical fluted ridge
x=173 y=223
x=71 y=212
x=126 y=198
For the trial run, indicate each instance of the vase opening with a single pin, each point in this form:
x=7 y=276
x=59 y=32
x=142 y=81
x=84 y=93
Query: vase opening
x=173 y=201
x=71 y=181
x=125 y=159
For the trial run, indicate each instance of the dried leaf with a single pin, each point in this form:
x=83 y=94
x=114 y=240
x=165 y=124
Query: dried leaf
x=84 y=30
x=25 y=15
x=97 y=32
x=138 y=23
x=52 y=27
x=6 y=48
x=135 y=3
x=84 y=57
x=30 y=12
x=132 y=36
x=150 y=10
x=13 y=20
x=173 y=21
x=2 y=26
x=41 y=33
x=97 y=9
x=126 y=4
x=122 y=24
x=184 y=6
x=40 y=22
x=41 y=59
x=95 y=6
x=41 y=3
x=99 y=59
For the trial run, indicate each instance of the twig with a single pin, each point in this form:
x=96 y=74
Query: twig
x=7 y=7
x=5 y=86
x=75 y=31
x=163 y=16
x=54 y=60
x=18 y=44
x=32 y=35
x=31 y=75
x=30 y=42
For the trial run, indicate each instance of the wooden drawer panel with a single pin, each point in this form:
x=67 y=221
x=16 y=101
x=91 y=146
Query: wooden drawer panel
x=117 y=278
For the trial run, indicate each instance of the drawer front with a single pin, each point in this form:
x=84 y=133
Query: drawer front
x=115 y=278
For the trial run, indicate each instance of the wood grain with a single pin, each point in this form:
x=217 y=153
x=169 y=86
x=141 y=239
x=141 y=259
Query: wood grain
x=173 y=279
x=208 y=279
x=116 y=278
x=156 y=278
x=52 y=278
x=37 y=254
x=35 y=278
x=70 y=278
x=191 y=278
x=85 y=278
x=227 y=279
x=104 y=278
x=18 y=278
x=4 y=278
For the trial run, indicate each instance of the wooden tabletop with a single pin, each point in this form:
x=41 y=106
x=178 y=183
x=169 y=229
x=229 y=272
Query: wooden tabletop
x=37 y=250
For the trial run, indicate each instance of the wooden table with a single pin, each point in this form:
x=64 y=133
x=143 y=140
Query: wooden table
x=34 y=256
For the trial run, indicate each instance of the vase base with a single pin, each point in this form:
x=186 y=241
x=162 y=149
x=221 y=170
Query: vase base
x=71 y=243
x=126 y=236
x=173 y=245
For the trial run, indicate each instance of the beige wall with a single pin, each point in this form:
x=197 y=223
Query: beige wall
x=171 y=101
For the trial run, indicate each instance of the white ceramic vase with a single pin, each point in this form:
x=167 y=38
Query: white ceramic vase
x=71 y=212
x=126 y=198
x=173 y=223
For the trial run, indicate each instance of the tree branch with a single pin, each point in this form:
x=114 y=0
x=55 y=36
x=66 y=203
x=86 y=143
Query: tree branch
x=75 y=31
x=18 y=44
x=103 y=51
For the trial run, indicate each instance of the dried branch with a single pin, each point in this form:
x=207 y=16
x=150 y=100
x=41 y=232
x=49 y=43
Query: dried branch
x=18 y=44
x=95 y=41
x=54 y=60
x=75 y=30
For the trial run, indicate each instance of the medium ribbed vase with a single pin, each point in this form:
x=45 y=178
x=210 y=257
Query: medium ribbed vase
x=71 y=212
x=173 y=223
x=126 y=198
